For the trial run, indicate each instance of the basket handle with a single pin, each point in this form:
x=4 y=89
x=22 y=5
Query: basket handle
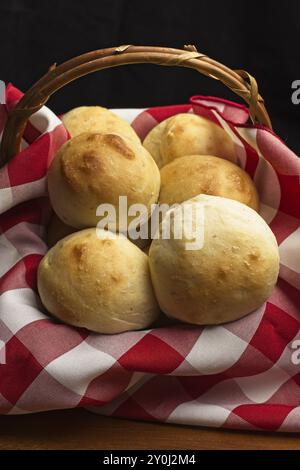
x=238 y=81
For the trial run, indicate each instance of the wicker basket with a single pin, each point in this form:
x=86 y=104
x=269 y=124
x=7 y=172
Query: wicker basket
x=237 y=375
x=238 y=81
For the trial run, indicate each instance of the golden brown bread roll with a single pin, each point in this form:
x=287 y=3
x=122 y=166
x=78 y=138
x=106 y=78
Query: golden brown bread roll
x=189 y=176
x=188 y=134
x=93 y=169
x=97 y=119
x=98 y=280
x=233 y=273
x=153 y=141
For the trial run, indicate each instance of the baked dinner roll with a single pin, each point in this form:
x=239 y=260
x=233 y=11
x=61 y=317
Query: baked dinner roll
x=233 y=273
x=98 y=280
x=97 y=119
x=153 y=141
x=93 y=169
x=188 y=134
x=189 y=176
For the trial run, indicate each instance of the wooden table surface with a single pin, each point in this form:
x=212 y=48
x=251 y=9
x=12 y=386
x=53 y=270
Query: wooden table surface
x=80 y=429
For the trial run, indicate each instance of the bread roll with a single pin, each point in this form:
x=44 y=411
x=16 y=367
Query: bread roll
x=233 y=273
x=153 y=140
x=98 y=280
x=188 y=134
x=97 y=119
x=189 y=176
x=93 y=169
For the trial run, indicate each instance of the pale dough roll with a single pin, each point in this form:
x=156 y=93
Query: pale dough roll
x=93 y=169
x=97 y=119
x=188 y=134
x=189 y=176
x=233 y=273
x=98 y=280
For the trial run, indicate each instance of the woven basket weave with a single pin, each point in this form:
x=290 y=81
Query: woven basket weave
x=243 y=374
x=238 y=81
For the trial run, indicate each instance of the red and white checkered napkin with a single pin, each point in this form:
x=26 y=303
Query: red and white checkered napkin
x=245 y=374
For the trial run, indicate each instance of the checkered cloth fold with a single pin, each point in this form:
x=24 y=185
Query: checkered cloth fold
x=245 y=374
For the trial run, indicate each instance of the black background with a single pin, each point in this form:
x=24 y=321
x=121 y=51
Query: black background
x=259 y=36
